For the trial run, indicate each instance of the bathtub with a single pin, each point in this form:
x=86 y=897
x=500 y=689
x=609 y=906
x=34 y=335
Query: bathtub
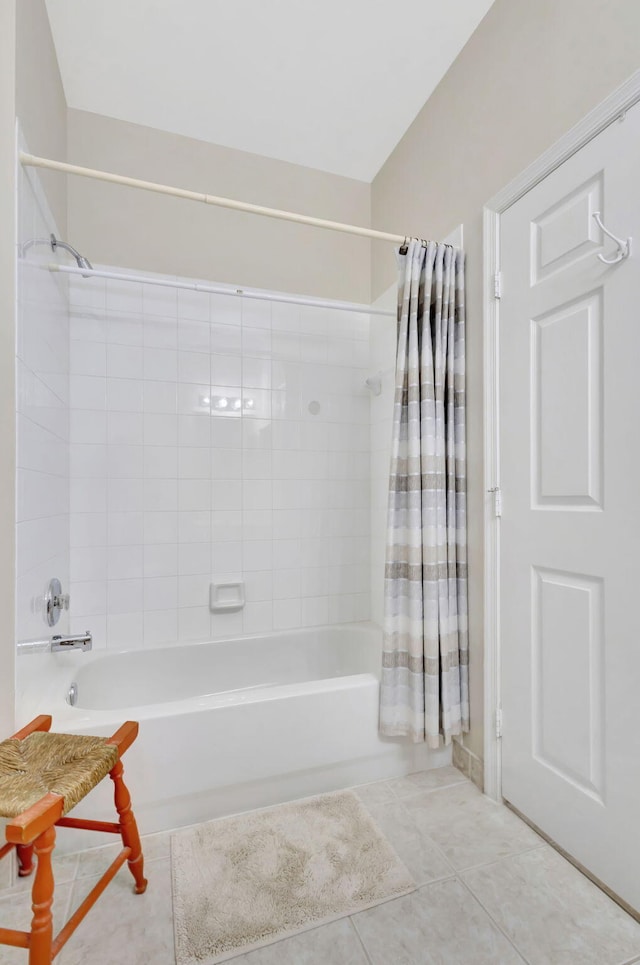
x=227 y=726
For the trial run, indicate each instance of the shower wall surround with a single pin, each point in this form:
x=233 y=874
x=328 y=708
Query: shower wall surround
x=214 y=438
x=42 y=411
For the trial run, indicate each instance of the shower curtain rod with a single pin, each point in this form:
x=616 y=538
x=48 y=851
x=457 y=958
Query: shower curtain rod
x=31 y=160
x=221 y=290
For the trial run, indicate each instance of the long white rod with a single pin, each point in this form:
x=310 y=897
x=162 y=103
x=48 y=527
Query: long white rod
x=31 y=160
x=220 y=290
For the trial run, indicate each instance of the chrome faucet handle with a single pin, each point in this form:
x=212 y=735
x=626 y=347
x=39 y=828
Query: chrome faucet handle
x=55 y=602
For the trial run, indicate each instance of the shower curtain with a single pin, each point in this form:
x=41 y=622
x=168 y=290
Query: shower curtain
x=425 y=686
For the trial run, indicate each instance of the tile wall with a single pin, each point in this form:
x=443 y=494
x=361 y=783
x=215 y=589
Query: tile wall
x=42 y=411
x=215 y=438
x=382 y=348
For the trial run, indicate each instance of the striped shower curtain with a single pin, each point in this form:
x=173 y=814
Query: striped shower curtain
x=425 y=685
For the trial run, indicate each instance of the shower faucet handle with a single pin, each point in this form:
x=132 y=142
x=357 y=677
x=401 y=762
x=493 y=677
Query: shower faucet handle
x=55 y=602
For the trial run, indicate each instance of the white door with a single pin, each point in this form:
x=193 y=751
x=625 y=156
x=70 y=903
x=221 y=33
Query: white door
x=570 y=529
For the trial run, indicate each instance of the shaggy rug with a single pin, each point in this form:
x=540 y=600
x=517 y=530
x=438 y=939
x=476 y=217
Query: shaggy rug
x=250 y=880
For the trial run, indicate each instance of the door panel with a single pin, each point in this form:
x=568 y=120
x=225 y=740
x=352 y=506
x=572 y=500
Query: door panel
x=570 y=528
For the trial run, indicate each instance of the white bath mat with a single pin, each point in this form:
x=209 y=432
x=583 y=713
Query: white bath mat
x=250 y=880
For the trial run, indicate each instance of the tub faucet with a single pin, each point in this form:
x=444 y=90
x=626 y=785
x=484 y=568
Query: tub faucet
x=78 y=641
x=57 y=644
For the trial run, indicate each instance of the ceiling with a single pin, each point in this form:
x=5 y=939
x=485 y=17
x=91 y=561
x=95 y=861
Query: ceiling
x=330 y=84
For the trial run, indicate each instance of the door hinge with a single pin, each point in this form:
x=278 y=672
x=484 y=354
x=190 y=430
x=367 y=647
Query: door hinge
x=499 y=722
x=497 y=285
x=496 y=492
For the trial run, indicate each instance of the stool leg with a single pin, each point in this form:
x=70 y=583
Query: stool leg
x=25 y=859
x=42 y=899
x=128 y=827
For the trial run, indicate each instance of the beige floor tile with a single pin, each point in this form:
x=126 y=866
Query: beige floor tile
x=15 y=912
x=431 y=780
x=64 y=869
x=421 y=856
x=334 y=944
x=469 y=828
x=96 y=860
x=552 y=913
x=441 y=924
x=378 y=793
x=124 y=928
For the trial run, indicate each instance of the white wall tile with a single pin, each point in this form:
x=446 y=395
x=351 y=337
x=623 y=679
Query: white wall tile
x=124 y=395
x=226 y=309
x=124 y=362
x=88 y=358
x=287 y=614
x=193 y=590
x=257 y=617
x=226 y=624
x=226 y=434
x=125 y=596
x=225 y=340
x=194 y=527
x=193 y=305
x=197 y=455
x=160 y=364
x=125 y=630
x=160 y=429
x=125 y=562
x=160 y=527
x=160 y=627
x=256 y=313
x=161 y=593
x=159 y=300
x=226 y=463
x=88 y=563
x=194 y=463
x=194 y=558
x=160 y=332
x=88 y=392
x=160 y=495
x=194 y=398
x=194 y=623
x=194 y=430
x=194 y=336
x=125 y=495
x=124 y=329
x=123 y=296
x=226 y=369
x=160 y=559
x=125 y=529
x=160 y=397
x=90 y=598
x=125 y=428
x=194 y=367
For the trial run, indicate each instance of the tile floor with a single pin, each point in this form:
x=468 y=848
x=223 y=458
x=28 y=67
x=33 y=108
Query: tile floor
x=490 y=892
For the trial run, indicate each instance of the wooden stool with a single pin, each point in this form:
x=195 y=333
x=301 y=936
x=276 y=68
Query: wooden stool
x=42 y=777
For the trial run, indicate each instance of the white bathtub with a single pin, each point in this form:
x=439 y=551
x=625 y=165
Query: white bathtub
x=231 y=725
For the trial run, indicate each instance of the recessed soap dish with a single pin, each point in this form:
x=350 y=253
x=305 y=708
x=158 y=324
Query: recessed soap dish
x=226 y=596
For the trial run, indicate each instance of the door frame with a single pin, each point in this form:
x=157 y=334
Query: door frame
x=611 y=109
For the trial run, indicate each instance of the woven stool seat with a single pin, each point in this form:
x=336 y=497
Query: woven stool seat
x=66 y=764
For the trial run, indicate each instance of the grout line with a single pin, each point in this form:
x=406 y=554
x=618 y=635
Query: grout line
x=431 y=790
x=502 y=931
x=360 y=939
x=505 y=857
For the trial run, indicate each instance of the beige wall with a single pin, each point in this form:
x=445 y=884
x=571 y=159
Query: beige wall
x=136 y=229
x=40 y=102
x=528 y=73
x=7 y=362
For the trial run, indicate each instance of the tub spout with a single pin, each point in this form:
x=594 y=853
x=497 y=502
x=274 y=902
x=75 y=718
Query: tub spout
x=78 y=641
